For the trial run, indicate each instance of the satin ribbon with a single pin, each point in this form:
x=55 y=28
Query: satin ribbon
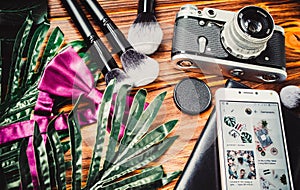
x=65 y=76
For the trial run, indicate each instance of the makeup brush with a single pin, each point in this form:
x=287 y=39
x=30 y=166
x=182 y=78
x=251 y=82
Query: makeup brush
x=141 y=68
x=99 y=53
x=290 y=96
x=145 y=34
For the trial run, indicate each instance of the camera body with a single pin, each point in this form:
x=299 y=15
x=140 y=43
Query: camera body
x=230 y=44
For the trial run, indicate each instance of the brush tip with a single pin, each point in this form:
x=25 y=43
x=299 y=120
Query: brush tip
x=140 y=68
x=145 y=36
x=290 y=96
x=120 y=76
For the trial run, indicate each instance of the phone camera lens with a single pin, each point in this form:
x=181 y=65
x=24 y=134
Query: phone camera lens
x=248 y=111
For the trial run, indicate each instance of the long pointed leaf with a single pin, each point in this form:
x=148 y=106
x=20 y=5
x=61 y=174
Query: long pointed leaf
x=103 y=115
x=153 y=137
x=25 y=174
x=123 y=168
x=118 y=114
x=170 y=177
x=53 y=44
x=146 y=119
x=144 y=122
x=41 y=159
x=33 y=53
x=135 y=112
x=18 y=50
x=58 y=155
x=76 y=146
x=141 y=179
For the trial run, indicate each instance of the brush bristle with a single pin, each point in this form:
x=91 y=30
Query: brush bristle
x=120 y=76
x=140 y=68
x=290 y=96
x=145 y=34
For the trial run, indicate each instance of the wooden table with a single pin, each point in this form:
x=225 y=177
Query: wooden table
x=286 y=13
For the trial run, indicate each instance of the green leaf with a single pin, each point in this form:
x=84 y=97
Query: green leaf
x=22 y=107
x=77 y=45
x=22 y=115
x=66 y=146
x=18 y=49
x=142 y=179
x=40 y=153
x=76 y=146
x=170 y=177
x=127 y=166
x=134 y=115
x=33 y=54
x=53 y=44
x=103 y=115
x=25 y=173
x=153 y=137
x=144 y=122
x=230 y=121
x=58 y=155
x=117 y=119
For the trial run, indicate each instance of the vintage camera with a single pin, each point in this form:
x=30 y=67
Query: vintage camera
x=246 y=44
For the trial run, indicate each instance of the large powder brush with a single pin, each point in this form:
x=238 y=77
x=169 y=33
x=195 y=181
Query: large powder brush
x=145 y=34
x=138 y=66
x=290 y=96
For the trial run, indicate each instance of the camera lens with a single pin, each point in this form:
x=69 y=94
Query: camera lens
x=255 y=21
x=246 y=35
x=252 y=26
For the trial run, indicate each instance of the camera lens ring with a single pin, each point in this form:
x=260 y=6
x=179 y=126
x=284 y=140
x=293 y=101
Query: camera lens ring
x=255 y=22
x=237 y=37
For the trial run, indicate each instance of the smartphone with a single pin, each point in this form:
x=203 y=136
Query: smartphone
x=251 y=140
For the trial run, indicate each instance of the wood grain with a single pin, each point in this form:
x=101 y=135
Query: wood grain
x=286 y=13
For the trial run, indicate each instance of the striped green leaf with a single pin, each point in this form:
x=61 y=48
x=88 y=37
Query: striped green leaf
x=134 y=115
x=76 y=147
x=117 y=119
x=58 y=156
x=41 y=157
x=33 y=54
x=124 y=167
x=103 y=115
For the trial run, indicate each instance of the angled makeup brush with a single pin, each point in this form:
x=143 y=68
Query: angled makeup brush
x=141 y=68
x=145 y=33
x=99 y=53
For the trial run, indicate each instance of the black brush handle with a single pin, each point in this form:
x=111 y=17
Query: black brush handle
x=146 y=6
x=115 y=37
x=98 y=49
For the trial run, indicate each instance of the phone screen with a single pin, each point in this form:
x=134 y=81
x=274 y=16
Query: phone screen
x=254 y=146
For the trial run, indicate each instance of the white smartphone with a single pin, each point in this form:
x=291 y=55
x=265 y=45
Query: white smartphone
x=251 y=139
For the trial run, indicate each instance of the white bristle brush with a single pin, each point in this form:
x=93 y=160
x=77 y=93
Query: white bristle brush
x=145 y=34
x=290 y=96
x=140 y=68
